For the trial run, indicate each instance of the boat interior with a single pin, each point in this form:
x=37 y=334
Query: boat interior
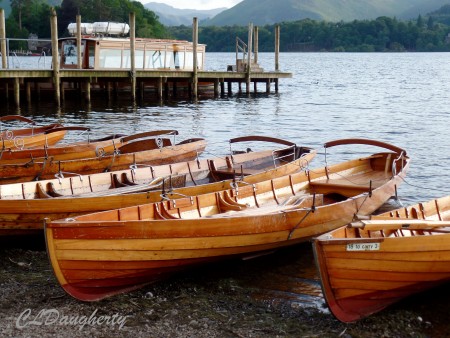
x=281 y=194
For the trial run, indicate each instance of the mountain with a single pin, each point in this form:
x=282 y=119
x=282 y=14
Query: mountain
x=442 y=15
x=261 y=12
x=171 y=16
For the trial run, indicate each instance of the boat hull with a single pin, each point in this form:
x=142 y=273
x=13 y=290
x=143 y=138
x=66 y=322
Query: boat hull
x=51 y=167
x=24 y=206
x=31 y=137
x=361 y=276
x=98 y=255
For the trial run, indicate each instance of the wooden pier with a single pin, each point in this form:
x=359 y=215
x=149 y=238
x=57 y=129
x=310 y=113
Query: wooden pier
x=25 y=85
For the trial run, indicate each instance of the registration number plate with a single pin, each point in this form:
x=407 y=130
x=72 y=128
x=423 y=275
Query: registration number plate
x=363 y=247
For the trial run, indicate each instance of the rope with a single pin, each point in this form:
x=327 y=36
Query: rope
x=300 y=222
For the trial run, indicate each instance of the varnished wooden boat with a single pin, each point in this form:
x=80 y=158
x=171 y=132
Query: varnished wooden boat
x=28 y=137
x=150 y=151
x=84 y=149
x=370 y=264
x=23 y=206
x=102 y=254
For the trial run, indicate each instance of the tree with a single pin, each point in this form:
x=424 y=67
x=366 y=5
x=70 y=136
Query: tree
x=430 y=23
x=419 y=21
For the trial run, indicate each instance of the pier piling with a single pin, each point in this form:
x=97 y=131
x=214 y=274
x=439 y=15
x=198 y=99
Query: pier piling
x=55 y=55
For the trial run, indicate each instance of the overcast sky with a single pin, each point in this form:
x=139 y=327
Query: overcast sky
x=196 y=4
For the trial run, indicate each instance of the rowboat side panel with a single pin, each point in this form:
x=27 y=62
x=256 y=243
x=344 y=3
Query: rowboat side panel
x=359 y=283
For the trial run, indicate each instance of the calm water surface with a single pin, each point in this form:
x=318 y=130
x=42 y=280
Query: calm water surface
x=397 y=98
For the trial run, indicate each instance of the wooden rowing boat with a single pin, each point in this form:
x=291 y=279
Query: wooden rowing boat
x=84 y=149
x=101 y=254
x=370 y=264
x=23 y=206
x=151 y=151
x=28 y=137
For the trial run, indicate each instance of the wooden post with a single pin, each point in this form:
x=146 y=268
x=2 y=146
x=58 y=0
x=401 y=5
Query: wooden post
x=62 y=92
x=87 y=90
x=216 y=87
x=277 y=47
x=174 y=88
x=195 y=61
x=249 y=57
x=55 y=56
x=133 y=56
x=166 y=88
x=108 y=90
x=116 y=89
x=141 y=91
x=222 y=87
x=3 y=39
x=37 y=89
x=255 y=45
x=160 y=88
x=79 y=60
x=28 y=91
x=268 y=86
x=17 y=91
x=230 y=91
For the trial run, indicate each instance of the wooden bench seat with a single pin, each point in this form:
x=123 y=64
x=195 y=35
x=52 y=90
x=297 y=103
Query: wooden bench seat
x=352 y=186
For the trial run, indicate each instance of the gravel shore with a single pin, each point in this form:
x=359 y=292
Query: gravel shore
x=229 y=299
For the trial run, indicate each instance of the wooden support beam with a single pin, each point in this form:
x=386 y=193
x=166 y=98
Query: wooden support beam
x=222 y=87
x=79 y=60
x=133 y=55
x=108 y=91
x=141 y=90
x=37 y=89
x=63 y=92
x=17 y=92
x=195 y=61
x=166 y=88
x=87 y=91
x=3 y=39
x=174 y=88
x=116 y=89
x=249 y=59
x=28 y=91
x=55 y=56
x=277 y=47
x=256 y=44
x=216 y=87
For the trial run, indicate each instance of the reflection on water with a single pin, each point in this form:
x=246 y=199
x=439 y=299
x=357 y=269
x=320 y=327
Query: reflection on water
x=396 y=98
x=289 y=276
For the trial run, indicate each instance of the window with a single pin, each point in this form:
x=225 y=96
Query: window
x=70 y=52
x=110 y=58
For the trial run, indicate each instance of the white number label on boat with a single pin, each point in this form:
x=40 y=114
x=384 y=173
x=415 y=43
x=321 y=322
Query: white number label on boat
x=363 y=246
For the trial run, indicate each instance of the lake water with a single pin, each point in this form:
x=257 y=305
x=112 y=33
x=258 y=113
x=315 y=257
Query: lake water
x=401 y=99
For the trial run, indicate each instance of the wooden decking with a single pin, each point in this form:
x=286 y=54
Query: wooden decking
x=27 y=85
